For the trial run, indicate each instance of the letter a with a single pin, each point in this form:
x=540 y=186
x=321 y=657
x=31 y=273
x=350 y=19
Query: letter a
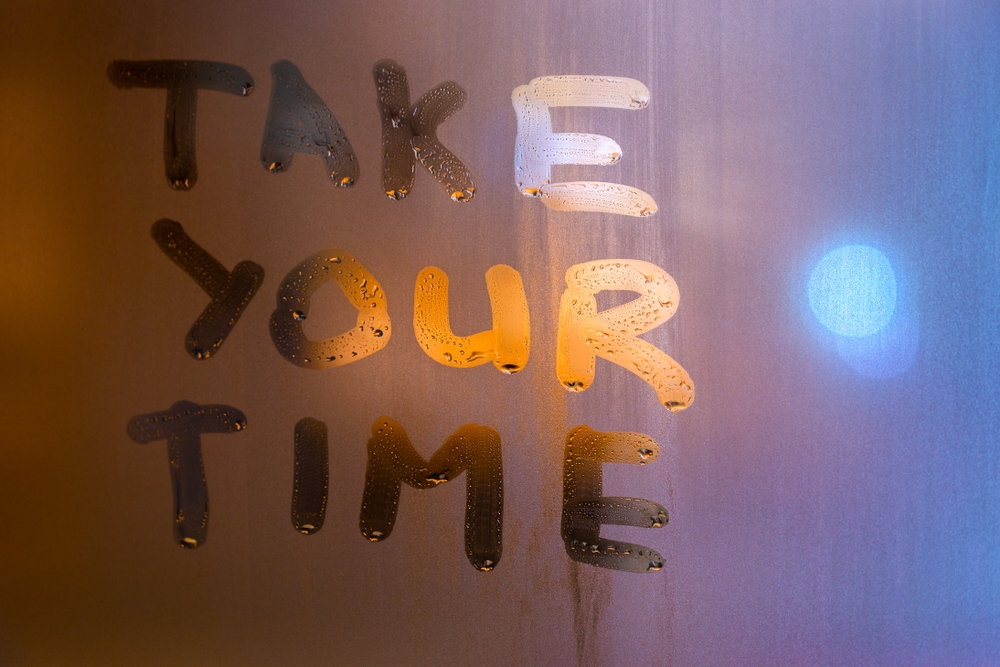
x=298 y=121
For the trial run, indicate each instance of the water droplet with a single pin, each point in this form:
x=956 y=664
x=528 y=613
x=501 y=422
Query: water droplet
x=307 y=529
x=298 y=315
x=247 y=89
x=437 y=477
x=375 y=535
x=645 y=453
x=485 y=565
x=447 y=356
x=654 y=566
x=639 y=101
x=377 y=333
x=189 y=543
x=181 y=184
x=510 y=369
x=275 y=167
x=395 y=194
x=531 y=192
x=199 y=353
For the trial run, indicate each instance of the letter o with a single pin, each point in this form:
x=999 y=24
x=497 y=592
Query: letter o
x=360 y=287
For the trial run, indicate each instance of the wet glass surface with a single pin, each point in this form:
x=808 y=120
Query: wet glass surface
x=832 y=492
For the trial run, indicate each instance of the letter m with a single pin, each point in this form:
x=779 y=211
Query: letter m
x=392 y=460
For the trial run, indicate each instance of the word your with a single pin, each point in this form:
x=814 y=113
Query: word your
x=392 y=461
x=298 y=121
x=584 y=332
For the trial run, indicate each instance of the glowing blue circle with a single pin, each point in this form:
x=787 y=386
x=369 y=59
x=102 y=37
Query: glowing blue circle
x=852 y=291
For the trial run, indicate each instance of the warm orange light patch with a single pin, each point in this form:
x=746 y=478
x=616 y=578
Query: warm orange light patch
x=585 y=333
x=506 y=345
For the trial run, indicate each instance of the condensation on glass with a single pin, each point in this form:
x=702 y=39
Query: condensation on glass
x=298 y=121
x=230 y=293
x=586 y=333
x=312 y=476
x=371 y=332
x=472 y=449
x=538 y=148
x=507 y=344
x=182 y=427
x=182 y=79
x=411 y=131
x=585 y=509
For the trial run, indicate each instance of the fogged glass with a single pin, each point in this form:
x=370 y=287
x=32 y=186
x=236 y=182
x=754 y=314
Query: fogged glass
x=718 y=285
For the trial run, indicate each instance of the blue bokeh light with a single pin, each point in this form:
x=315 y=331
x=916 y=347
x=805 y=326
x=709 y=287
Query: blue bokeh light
x=852 y=291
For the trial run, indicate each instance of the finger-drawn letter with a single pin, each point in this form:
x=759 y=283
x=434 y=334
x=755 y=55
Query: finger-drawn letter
x=231 y=293
x=473 y=449
x=585 y=334
x=412 y=130
x=182 y=79
x=298 y=121
x=507 y=344
x=181 y=426
x=369 y=336
x=312 y=476
x=585 y=510
x=538 y=147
